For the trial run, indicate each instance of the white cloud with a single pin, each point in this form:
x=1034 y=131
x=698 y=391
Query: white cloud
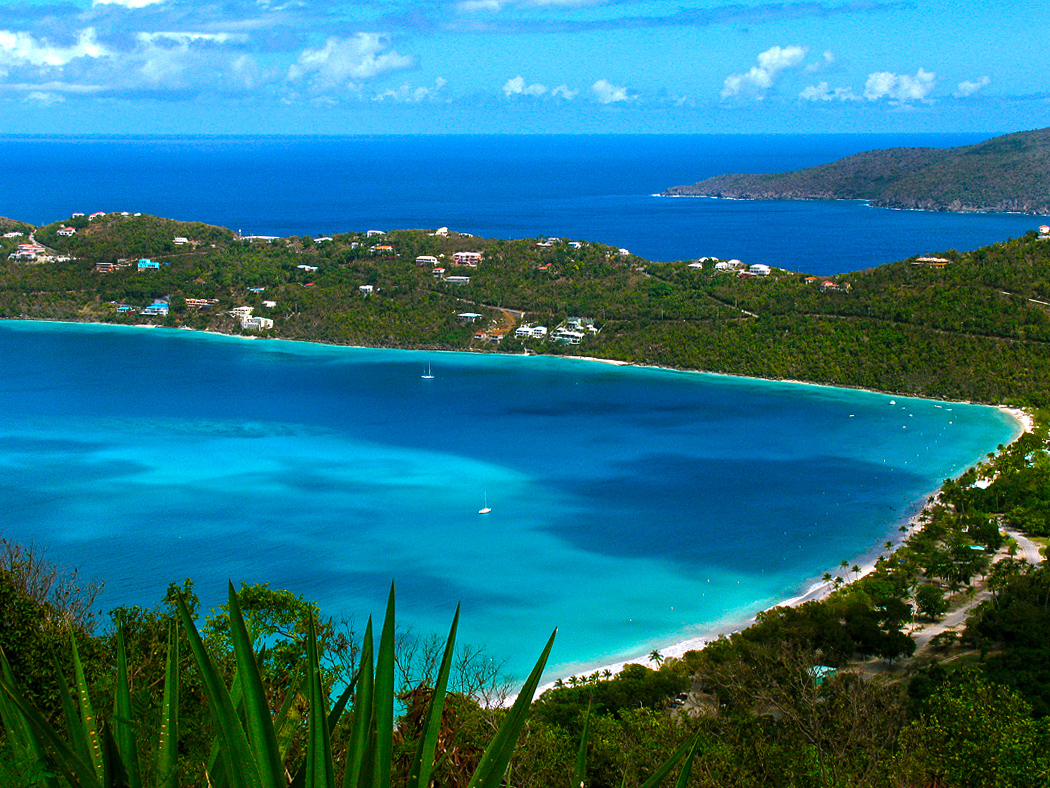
x=469 y=6
x=517 y=87
x=342 y=61
x=412 y=95
x=608 y=93
x=127 y=3
x=899 y=88
x=565 y=92
x=968 y=88
x=188 y=38
x=828 y=60
x=760 y=77
x=22 y=49
x=821 y=92
x=43 y=98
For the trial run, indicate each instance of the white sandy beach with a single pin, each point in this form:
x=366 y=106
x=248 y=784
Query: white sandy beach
x=818 y=589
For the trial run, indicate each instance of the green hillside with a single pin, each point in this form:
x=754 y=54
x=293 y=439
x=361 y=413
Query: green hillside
x=1008 y=173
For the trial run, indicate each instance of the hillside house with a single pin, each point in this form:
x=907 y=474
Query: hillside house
x=158 y=308
x=427 y=259
x=373 y=233
x=256 y=323
x=367 y=290
x=469 y=259
x=468 y=317
x=180 y=240
x=145 y=264
x=457 y=280
x=758 y=269
x=65 y=232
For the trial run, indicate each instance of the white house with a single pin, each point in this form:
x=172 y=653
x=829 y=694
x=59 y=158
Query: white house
x=180 y=240
x=758 y=269
x=522 y=331
x=372 y=233
x=458 y=280
x=256 y=323
x=367 y=289
x=66 y=231
x=241 y=311
x=721 y=265
x=427 y=259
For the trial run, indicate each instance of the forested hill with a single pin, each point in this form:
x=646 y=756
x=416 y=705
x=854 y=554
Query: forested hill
x=960 y=325
x=1007 y=173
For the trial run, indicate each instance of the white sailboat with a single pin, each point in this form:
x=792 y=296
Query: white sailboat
x=485 y=509
x=427 y=375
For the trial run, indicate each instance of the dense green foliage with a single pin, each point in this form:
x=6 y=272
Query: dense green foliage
x=974 y=328
x=1007 y=173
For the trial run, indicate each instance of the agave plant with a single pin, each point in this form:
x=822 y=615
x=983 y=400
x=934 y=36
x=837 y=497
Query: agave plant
x=251 y=743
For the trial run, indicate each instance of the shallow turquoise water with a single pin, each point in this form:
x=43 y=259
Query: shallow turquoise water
x=631 y=507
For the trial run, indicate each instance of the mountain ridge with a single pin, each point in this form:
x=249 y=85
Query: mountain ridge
x=1009 y=173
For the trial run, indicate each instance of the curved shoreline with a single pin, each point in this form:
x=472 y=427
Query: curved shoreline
x=809 y=588
x=814 y=589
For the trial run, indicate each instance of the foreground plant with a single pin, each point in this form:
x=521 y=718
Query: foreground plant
x=251 y=745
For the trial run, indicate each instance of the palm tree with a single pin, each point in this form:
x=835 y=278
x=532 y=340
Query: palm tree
x=656 y=656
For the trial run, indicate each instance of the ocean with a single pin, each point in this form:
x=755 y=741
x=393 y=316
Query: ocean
x=631 y=508
x=592 y=188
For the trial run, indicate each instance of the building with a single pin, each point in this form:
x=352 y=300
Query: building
x=457 y=280
x=180 y=240
x=373 y=233
x=367 y=290
x=145 y=264
x=469 y=259
x=758 y=269
x=427 y=259
x=158 y=307
x=256 y=323
x=65 y=232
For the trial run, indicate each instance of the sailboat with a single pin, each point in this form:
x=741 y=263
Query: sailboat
x=485 y=509
x=427 y=375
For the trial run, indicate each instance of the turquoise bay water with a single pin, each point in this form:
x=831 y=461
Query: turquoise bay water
x=631 y=507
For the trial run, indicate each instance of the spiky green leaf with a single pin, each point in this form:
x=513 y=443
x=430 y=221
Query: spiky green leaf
x=423 y=763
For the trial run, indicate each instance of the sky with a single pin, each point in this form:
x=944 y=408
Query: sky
x=522 y=66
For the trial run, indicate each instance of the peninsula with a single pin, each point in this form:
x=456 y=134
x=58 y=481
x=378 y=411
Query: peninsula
x=1006 y=173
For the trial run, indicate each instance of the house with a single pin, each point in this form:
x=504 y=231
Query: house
x=77 y=215
x=180 y=240
x=468 y=317
x=241 y=311
x=457 y=280
x=14 y=234
x=383 y=248
x=158 y=307
x=931 y=262
x=145 y=264
x=758 y=269
x=427 y=259
x=575 y=244
x=256 y=323
x=367 y=290
x=307 y=267
x=256 y=289
x=539 y=332
x=269 y=304
x=827 y=284
x=441 y=232
x=97 y=215
x=373 y=233
x=197 y=303
x=322 y=239
x=1044 y=232
x=469 y=259
x=721 y=265
x=438 y=273
x=523 y=331
x=624 y=252
x=65 y=232
x=568 y=336
x=697 y=264
x=124 y=309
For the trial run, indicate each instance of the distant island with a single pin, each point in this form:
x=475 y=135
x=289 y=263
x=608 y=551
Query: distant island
x=1006 y=173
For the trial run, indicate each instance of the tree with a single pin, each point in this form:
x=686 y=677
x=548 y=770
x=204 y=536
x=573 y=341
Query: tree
x=974 y=734
x=930 y=601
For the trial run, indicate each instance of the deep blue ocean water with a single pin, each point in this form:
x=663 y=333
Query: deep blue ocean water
x=594 y=188
x=631 y=507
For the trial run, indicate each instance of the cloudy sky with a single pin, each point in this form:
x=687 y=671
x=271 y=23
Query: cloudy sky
x=497 y=66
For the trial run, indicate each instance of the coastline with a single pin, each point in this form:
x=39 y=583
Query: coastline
x=810 y=589
x=815 y=589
